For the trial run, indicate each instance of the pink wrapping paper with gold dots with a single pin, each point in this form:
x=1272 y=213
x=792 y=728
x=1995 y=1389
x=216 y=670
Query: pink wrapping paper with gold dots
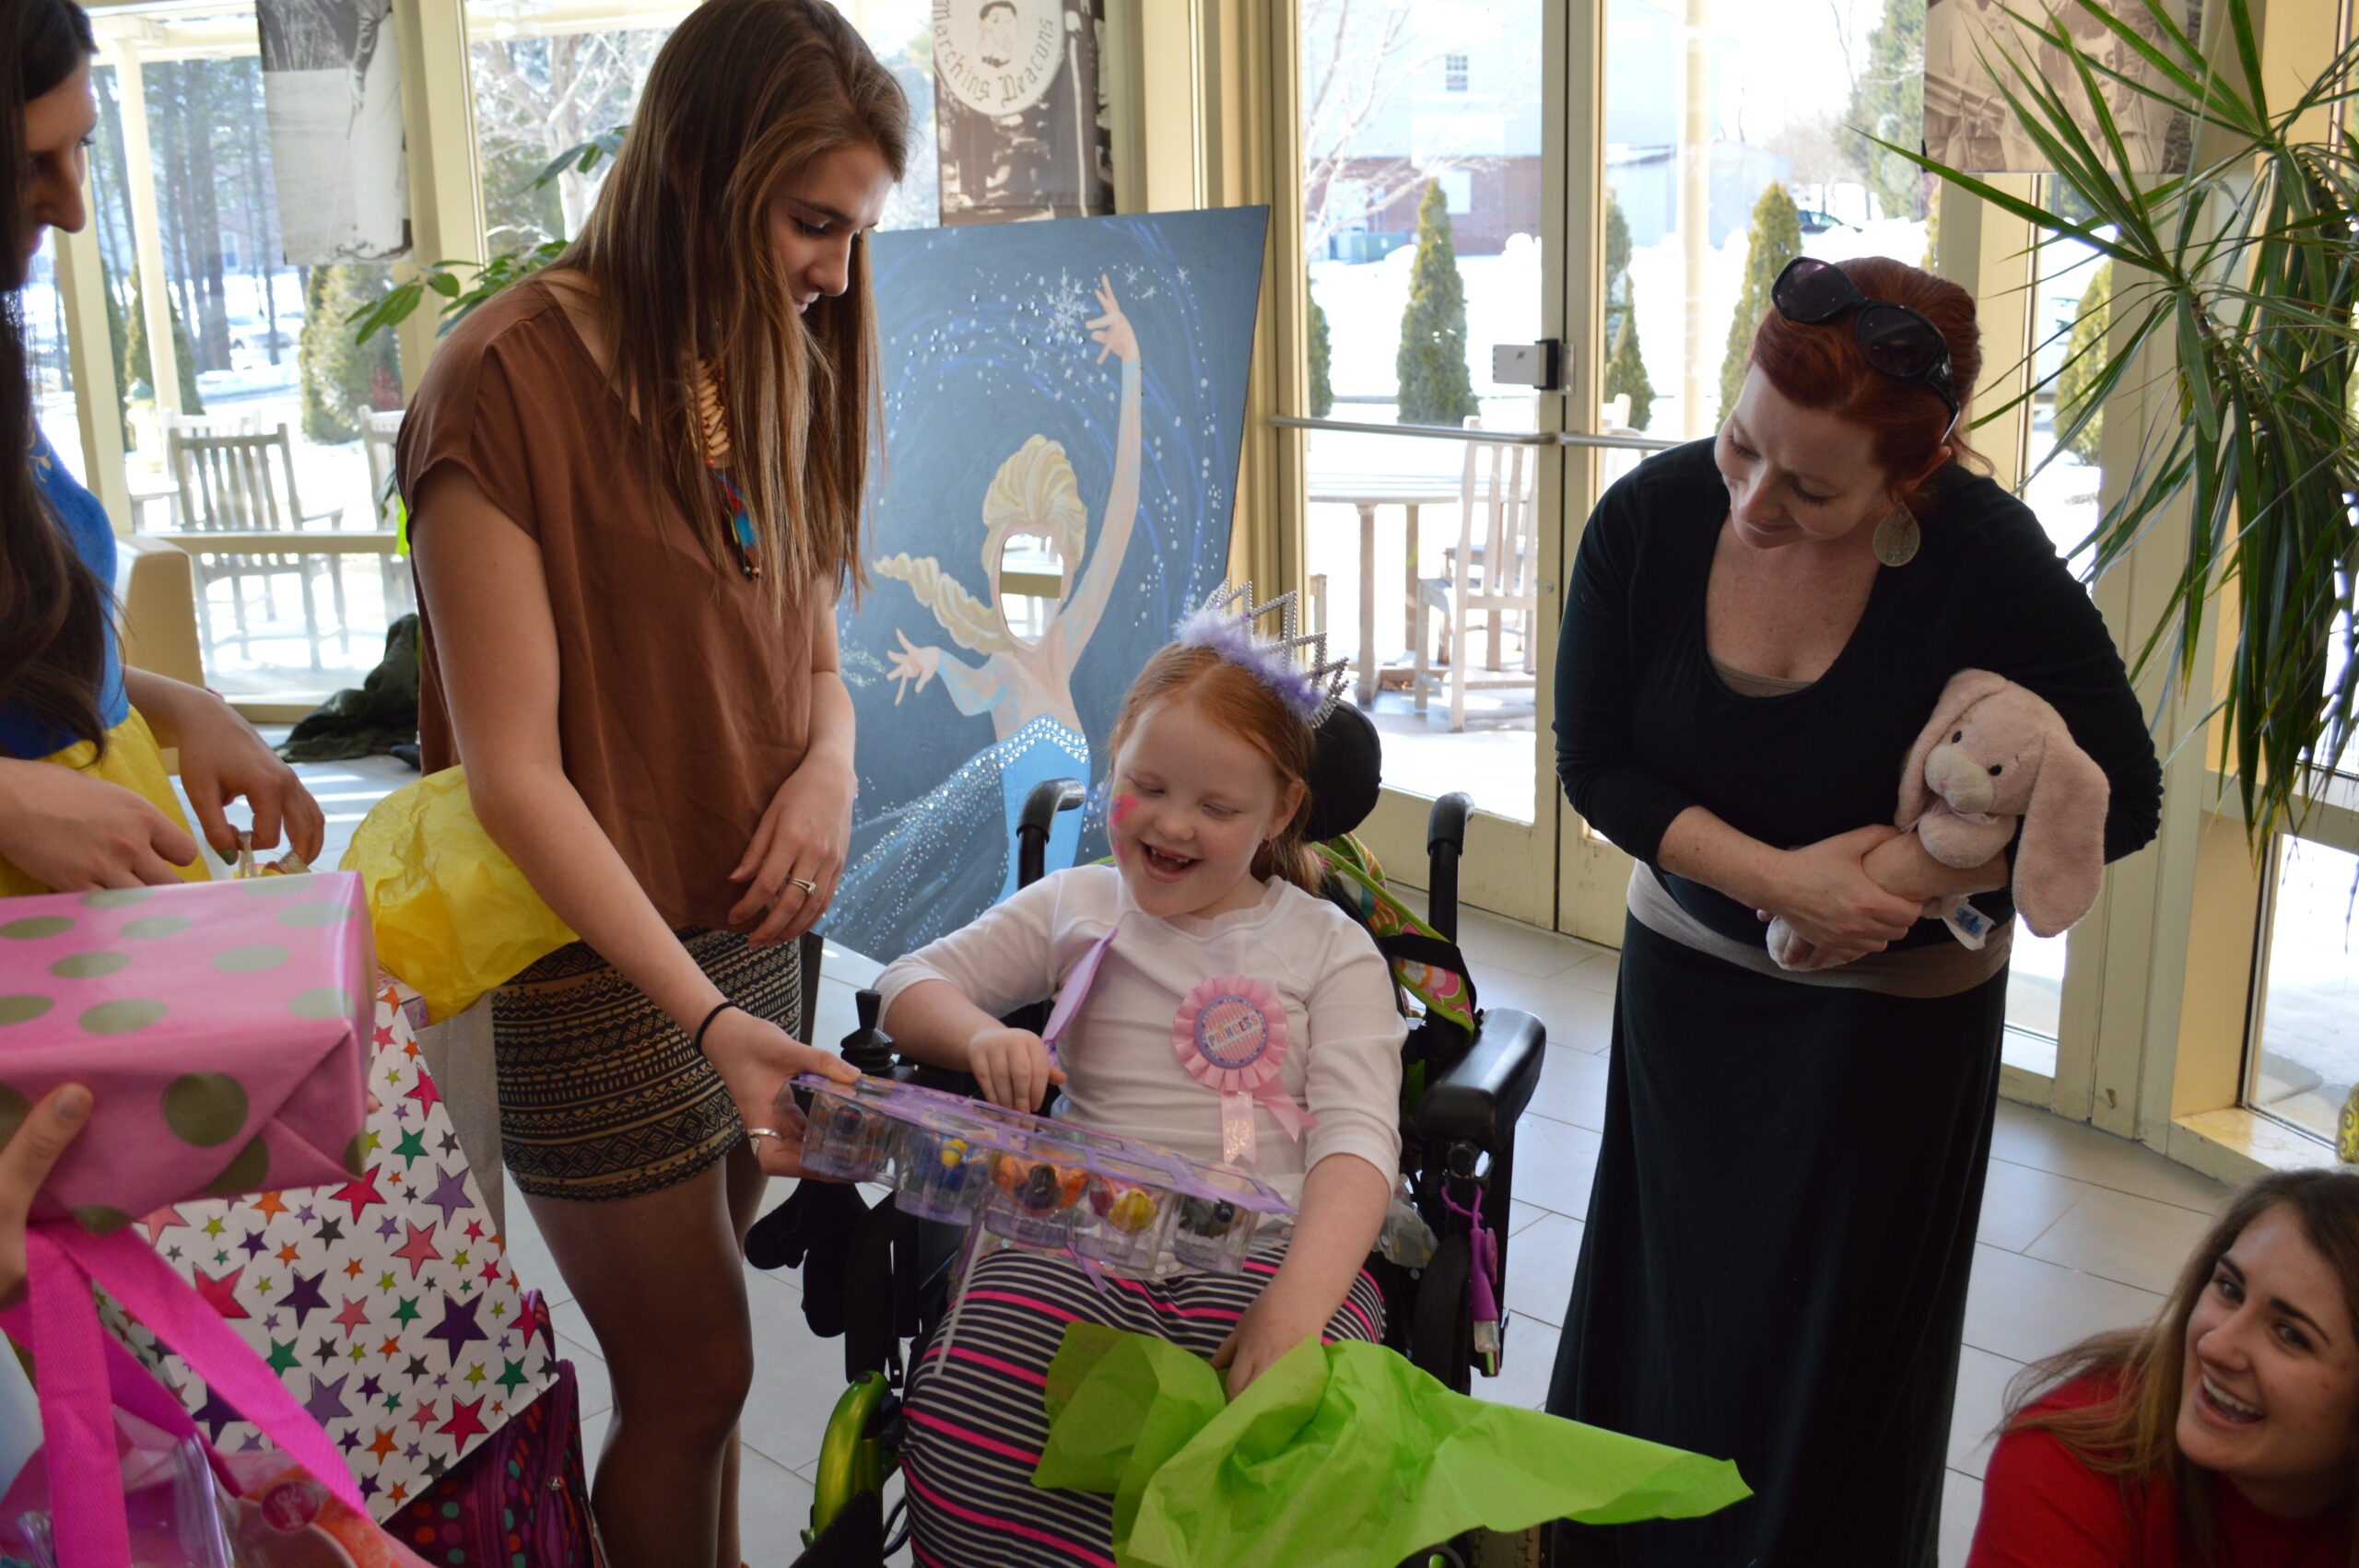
x=222 y=1029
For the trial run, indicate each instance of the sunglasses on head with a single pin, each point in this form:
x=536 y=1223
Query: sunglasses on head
x=1895 y=340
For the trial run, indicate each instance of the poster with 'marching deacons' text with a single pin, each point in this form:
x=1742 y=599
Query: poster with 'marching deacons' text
x=1064 y=407
x=1018 y=116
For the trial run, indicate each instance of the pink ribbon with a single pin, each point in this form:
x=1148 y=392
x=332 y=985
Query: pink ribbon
x=1230 y=1034
x=81 y=1376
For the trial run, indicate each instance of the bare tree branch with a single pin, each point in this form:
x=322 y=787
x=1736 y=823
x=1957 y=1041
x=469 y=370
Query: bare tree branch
x=1373 y=51
x=542 y=96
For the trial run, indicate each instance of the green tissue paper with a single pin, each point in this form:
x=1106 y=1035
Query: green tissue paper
x=1338 y=1457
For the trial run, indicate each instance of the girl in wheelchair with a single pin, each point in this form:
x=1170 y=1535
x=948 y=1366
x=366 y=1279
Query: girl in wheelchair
x=1294 y=1073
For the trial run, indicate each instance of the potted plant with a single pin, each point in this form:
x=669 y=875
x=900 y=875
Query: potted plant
x=2245 y=263
x=466 y=284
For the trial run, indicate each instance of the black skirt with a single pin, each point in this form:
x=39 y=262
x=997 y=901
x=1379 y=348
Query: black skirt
x=1775 y=1266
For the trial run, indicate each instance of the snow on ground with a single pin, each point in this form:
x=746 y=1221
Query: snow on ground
x=1366 y=301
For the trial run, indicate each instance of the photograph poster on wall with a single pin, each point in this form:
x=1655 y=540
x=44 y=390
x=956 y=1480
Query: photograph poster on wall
x=1967 y=123
x=1018 y=114
x=332 y=88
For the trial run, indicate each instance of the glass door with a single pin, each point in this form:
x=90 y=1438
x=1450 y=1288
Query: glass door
x=1719 y=150
x=1432 y=176
x=2067 y=280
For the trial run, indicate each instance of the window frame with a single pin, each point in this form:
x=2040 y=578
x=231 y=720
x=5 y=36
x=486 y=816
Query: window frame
x=2330 y=822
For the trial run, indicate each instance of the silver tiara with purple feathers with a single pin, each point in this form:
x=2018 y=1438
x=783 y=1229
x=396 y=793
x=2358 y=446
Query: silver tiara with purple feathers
x=1311 y=692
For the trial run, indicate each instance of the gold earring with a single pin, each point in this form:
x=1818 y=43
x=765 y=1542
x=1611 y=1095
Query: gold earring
x=1897 y=537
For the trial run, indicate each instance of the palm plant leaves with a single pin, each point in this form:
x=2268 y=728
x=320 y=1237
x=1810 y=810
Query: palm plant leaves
x=2245 y=263
x=466 y=284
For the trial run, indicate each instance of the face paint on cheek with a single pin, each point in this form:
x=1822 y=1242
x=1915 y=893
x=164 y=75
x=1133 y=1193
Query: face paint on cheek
x=1123 y=806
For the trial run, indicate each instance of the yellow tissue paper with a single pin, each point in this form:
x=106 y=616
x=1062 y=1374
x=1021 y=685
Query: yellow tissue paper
x=453 y=915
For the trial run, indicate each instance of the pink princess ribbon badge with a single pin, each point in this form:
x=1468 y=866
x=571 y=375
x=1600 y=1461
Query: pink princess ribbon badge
x=1230 y=1034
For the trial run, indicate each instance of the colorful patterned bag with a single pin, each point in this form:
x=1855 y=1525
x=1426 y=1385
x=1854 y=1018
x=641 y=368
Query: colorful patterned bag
x=521 y=1498
x=1428 y=965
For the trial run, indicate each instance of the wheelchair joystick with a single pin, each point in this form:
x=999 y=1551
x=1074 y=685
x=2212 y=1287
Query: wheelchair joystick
x=867 y=1047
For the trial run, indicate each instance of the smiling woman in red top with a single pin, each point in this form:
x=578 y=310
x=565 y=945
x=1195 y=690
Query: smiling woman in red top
x=2226 y=1434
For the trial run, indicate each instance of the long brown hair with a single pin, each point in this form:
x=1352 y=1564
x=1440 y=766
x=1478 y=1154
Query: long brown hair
x=745 y=93
x=52 y=610
x=1819 y=365
x=2132 y=1434
x=1236 y=699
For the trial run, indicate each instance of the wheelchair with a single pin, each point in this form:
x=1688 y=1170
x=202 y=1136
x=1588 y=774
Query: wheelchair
x=881 y=1278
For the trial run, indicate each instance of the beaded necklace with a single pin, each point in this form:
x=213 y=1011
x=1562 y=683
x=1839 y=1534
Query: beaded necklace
x=713 y=423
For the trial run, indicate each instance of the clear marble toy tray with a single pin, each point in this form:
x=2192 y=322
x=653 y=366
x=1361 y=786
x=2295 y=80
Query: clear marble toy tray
x=1127 y=1206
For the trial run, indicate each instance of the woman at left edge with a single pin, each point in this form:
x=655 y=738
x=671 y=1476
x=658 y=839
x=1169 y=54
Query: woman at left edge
x=85 y=801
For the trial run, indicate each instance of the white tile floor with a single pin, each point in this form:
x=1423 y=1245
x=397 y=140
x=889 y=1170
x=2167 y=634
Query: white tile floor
x=2079 y=1230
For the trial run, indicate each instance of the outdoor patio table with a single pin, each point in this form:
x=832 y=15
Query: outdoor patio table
x=1367 y=492
x=148 y=490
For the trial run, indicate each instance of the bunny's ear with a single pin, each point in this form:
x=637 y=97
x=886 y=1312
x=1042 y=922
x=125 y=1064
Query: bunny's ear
x=1965 y=689
x=2059 y=860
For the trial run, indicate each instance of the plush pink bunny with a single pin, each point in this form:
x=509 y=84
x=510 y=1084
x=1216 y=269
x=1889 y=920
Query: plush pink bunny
x=1992 y=755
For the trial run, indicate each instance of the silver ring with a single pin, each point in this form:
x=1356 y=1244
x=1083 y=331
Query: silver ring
x=753 y=1133
x=805 y=883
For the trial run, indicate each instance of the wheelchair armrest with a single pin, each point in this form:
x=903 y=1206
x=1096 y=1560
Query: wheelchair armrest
x=1445 y=842
x=1037 y=820
x=1446 y=824
x=1480 y=1098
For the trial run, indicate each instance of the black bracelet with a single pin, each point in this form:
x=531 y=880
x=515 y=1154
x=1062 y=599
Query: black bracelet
x=718 y=1008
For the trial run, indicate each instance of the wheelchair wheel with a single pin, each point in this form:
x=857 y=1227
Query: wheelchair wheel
x=1441 y=1340
x=853 y=1462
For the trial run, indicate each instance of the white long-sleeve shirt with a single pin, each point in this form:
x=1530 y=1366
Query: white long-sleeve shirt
x=1123 y=1075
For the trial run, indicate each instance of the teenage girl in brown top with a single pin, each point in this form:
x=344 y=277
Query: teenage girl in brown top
x=635 y=485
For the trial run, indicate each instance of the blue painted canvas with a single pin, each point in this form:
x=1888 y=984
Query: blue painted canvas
x=1077 y=388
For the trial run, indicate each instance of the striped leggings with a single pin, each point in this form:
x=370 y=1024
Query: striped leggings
x=975 y=1423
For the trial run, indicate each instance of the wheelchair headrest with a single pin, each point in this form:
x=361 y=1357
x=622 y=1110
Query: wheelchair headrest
x=1346 y=772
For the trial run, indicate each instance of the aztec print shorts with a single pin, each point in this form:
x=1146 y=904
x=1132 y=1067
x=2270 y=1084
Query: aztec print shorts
x=601 y=1095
